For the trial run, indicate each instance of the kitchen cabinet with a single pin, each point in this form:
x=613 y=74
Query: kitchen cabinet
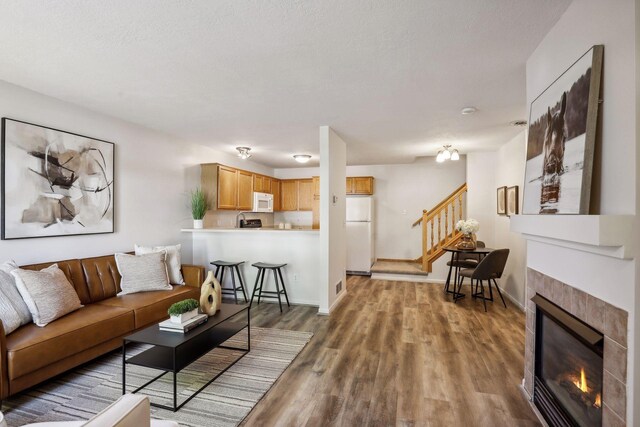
x=262 y=184
x=362 y=185
x=245 y=190
x=227 y=188
x=305 y=194
x=315 y=224
x=289 y=195
x=275 y=190
x=349 y=185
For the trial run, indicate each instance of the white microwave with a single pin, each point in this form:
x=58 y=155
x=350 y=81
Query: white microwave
x=262 y=202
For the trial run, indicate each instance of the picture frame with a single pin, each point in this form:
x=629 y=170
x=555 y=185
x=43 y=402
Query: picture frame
x=501 y=204
x=561 y=140
x=512 y=201
x=54 y=183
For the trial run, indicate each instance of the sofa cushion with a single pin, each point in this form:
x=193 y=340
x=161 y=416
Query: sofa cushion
x=151 y=307
x=102 y=276
x=73 y=270
x=30 y=347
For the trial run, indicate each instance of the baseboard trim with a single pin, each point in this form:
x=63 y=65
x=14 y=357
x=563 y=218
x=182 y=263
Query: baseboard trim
x=341 y=295
x=395 y=260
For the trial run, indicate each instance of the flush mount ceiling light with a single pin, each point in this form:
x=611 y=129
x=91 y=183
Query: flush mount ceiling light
x=447 y=153
x=302 y=158
x=243 y=152
x=518 y=123
x=468 y=110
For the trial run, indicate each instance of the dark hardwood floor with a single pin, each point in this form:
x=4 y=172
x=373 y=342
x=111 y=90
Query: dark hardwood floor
x=399 y=353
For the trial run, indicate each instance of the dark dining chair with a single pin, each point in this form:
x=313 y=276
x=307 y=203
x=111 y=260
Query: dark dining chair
x=467 y=261
x=489 y=269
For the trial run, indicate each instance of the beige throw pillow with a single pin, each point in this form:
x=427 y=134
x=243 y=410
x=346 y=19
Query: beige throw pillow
x=173 y=261
x=48 y=293
x=143 y=273
x=13 y=310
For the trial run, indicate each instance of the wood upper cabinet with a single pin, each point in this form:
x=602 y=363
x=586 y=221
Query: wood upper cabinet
x=315 y=224
x=305 y=194
x=227 y=188
x=275 y=190
x=289 y=195
x=349 y=185
x=362 y=185
x=262 y=184
x=245 y=190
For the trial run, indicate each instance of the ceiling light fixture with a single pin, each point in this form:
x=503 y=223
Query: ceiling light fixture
x=518 y=123
x=243 y=152
x=468 y=110
x=447 y=153
x=302 y=158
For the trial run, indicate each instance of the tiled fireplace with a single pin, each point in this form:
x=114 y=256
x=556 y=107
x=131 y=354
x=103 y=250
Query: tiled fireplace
x=575 y=354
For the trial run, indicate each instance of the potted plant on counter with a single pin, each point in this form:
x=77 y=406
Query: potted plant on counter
x=184 y=310
x=198 y=207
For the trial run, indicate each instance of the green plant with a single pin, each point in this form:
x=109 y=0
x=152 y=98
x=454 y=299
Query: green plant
x=182 y=307
x=198 y=204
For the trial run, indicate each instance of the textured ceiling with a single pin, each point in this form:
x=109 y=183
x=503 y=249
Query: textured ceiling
x=389 y=76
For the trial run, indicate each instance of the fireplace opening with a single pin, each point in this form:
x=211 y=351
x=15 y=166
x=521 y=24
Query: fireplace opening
x=568 y=368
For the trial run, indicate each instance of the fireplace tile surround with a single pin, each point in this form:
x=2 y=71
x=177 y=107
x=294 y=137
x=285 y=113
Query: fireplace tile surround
x=608 y=319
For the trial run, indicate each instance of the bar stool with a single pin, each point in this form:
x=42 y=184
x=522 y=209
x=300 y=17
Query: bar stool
x=221 y=267
x=262 y=267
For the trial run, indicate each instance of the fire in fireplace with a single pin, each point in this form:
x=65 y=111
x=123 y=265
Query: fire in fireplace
x=568 y=368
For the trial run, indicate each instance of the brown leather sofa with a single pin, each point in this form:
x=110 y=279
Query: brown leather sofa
x=32 y=354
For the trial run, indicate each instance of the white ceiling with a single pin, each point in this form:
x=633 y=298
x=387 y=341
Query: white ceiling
x=389 y=76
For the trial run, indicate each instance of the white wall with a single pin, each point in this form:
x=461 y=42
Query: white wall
x=611 y=23
x=153 y=176
x=333 y=253
x=509 y=171
x=481 y=193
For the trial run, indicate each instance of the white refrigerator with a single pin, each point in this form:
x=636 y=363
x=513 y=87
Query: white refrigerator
x=360 y=242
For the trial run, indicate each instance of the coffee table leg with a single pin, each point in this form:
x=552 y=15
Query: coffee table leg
x=124 y=387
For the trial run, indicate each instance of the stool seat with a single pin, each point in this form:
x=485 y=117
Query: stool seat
x=220 y=263
x=267 y=265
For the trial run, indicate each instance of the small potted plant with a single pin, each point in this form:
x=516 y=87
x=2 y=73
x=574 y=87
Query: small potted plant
x=198 y=207
x=184 y=310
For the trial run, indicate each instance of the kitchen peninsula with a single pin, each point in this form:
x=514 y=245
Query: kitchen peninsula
x=299 y=248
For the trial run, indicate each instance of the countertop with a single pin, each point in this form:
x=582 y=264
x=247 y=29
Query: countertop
x=250 y=230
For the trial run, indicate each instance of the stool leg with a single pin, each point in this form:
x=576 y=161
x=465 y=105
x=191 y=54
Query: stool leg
x=233 y=283
x=241 y=284
x=275 y=276
x=261 y=285
x=216 y=273
x=222 y=277
x=284 y=289
x=255 y=287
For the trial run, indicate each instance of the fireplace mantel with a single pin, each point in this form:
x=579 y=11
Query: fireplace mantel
x=607 y=235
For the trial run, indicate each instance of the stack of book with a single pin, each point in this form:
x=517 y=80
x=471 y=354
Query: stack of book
x=184 y=327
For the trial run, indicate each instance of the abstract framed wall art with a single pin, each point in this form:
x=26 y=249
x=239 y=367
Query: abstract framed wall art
x=562 y=136
x=501 y=197
x=512 y=200
x=55 y=183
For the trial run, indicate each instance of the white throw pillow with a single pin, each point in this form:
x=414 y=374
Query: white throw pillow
x=13 y=310
x=143 y=273
x=174 y=260
x=48 y=293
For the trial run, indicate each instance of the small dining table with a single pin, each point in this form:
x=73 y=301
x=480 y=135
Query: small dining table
x=455 y=256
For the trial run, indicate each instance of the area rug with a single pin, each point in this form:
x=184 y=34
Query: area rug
x=85 y=391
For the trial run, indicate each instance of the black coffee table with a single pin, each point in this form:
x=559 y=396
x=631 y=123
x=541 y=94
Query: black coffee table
x=172 y=352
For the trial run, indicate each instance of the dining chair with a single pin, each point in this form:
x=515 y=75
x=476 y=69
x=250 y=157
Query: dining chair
x=469 y=261
x=489 y=269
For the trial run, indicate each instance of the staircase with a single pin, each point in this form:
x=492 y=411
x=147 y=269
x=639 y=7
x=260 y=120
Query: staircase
x=438 y=227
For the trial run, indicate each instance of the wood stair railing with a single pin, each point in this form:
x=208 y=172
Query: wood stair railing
x=438 y=227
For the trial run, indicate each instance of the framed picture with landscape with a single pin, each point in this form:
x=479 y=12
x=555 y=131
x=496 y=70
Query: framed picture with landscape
x=54 y=183
x=561 y=141
x=501 y=205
